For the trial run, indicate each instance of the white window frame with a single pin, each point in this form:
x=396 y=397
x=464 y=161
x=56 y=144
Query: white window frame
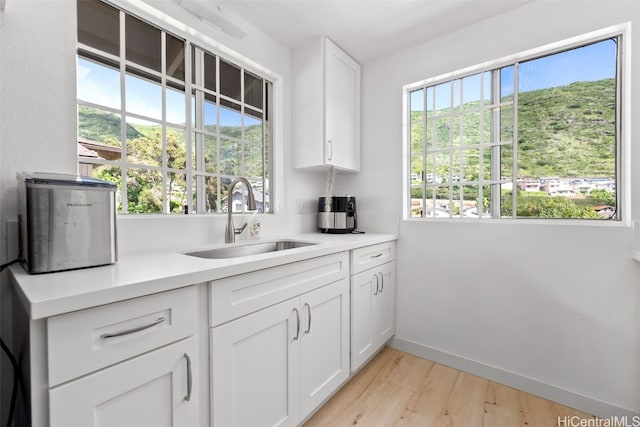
x=623 y=171
x=181 y=29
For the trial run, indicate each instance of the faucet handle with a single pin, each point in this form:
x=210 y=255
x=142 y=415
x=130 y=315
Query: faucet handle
x=241 y=229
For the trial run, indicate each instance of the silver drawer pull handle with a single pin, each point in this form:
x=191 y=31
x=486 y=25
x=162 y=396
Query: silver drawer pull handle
x=309 y=325
x=297 y=325
x=376 y=256
x=189 y=379
x=133 y=330
x=381 y=282
x=377 y=284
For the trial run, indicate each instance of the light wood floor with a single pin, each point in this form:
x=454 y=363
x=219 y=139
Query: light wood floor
x=399 y=389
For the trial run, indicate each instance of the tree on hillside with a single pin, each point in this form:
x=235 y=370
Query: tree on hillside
x=144 y=186
x=545 y=207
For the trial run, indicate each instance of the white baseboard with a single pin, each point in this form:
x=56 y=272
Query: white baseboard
x=538 y=388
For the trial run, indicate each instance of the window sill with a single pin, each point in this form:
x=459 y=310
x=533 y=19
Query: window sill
x=522 y=221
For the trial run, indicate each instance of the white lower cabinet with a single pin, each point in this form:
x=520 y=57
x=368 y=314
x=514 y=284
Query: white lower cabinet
x=273 y=367
x=282 y=340
x=255 y=371
x=324 y=343
x=155 y=390
x=372 y=311
x=132 y=363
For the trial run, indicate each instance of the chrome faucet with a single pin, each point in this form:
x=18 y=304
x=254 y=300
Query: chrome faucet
x=231 y=231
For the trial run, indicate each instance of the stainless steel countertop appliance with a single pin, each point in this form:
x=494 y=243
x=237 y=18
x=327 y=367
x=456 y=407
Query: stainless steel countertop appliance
x=340 y=217
x=65 y=222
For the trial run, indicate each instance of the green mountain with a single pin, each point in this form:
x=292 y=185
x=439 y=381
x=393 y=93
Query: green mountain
x=566 y=131
x=145 y=147
x=102 y=126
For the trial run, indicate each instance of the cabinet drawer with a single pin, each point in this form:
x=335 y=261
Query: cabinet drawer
x=240 y=295
x=370 y=256
x=147 y=391
x=86 y=340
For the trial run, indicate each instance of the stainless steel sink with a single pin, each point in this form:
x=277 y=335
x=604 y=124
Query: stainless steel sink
x=250 y=249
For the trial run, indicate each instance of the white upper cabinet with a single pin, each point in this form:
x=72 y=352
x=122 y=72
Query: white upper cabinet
x=326 y=107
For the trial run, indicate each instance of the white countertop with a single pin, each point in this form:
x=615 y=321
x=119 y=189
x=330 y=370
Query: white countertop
x=135 y=275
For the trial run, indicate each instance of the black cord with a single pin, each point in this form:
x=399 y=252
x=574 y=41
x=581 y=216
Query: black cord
x=3 y=266
x=14 y=391
x=14 y=363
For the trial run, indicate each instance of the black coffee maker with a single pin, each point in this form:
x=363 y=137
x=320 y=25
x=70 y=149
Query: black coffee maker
x=339 y=217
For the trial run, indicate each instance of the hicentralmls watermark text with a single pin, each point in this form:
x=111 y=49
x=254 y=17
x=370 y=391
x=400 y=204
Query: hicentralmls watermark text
x=576 y=421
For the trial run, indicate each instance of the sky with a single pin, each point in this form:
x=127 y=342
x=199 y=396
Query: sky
x=101 y=85
x=589 y=63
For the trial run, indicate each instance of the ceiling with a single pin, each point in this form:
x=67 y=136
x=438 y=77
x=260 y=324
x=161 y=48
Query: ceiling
x=366 y=29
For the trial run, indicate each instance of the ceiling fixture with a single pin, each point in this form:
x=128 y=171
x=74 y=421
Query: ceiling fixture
x=213 y=14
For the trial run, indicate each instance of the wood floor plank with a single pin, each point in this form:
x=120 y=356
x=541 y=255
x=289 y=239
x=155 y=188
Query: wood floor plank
x=535 y=410
x=427 y=404
x=348 y=404
x=465 y=406
x=398 y=389
x=501 y=407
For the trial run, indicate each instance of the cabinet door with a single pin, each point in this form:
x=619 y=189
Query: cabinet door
x=363 y=292
x=342 y=109
x=255 y=368
x=384 y=304
x=149 y=390
x=372 y=311
x=324 y=343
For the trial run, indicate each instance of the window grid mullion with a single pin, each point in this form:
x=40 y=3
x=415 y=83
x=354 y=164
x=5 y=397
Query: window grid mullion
x=166 y=197
x=514 y=149
x=242 y=133
x=201 y=191
x=97 y=52
x=462 y=150
x=494 y=158
x=264 y=145
x=620 y=185
x=481 y=178
x=451 y=152
x=424 y=156
x=433 y=155
x=218 y=143
x=123 y=116
x=473 y=109
x=188 y=133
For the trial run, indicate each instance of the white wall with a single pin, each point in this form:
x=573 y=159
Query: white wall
x=38 y=131
x=553 y=309
x=37 y=115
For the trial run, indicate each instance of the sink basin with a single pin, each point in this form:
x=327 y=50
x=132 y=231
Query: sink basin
x=250 y=249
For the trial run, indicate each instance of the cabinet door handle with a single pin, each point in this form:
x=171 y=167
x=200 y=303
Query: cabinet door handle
x=377 y=284
x=376 y=256
x=189 y=378
x=308 y=325
x=381 y=282
x=297 y=324
x=329 y=150
x=133 y=330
